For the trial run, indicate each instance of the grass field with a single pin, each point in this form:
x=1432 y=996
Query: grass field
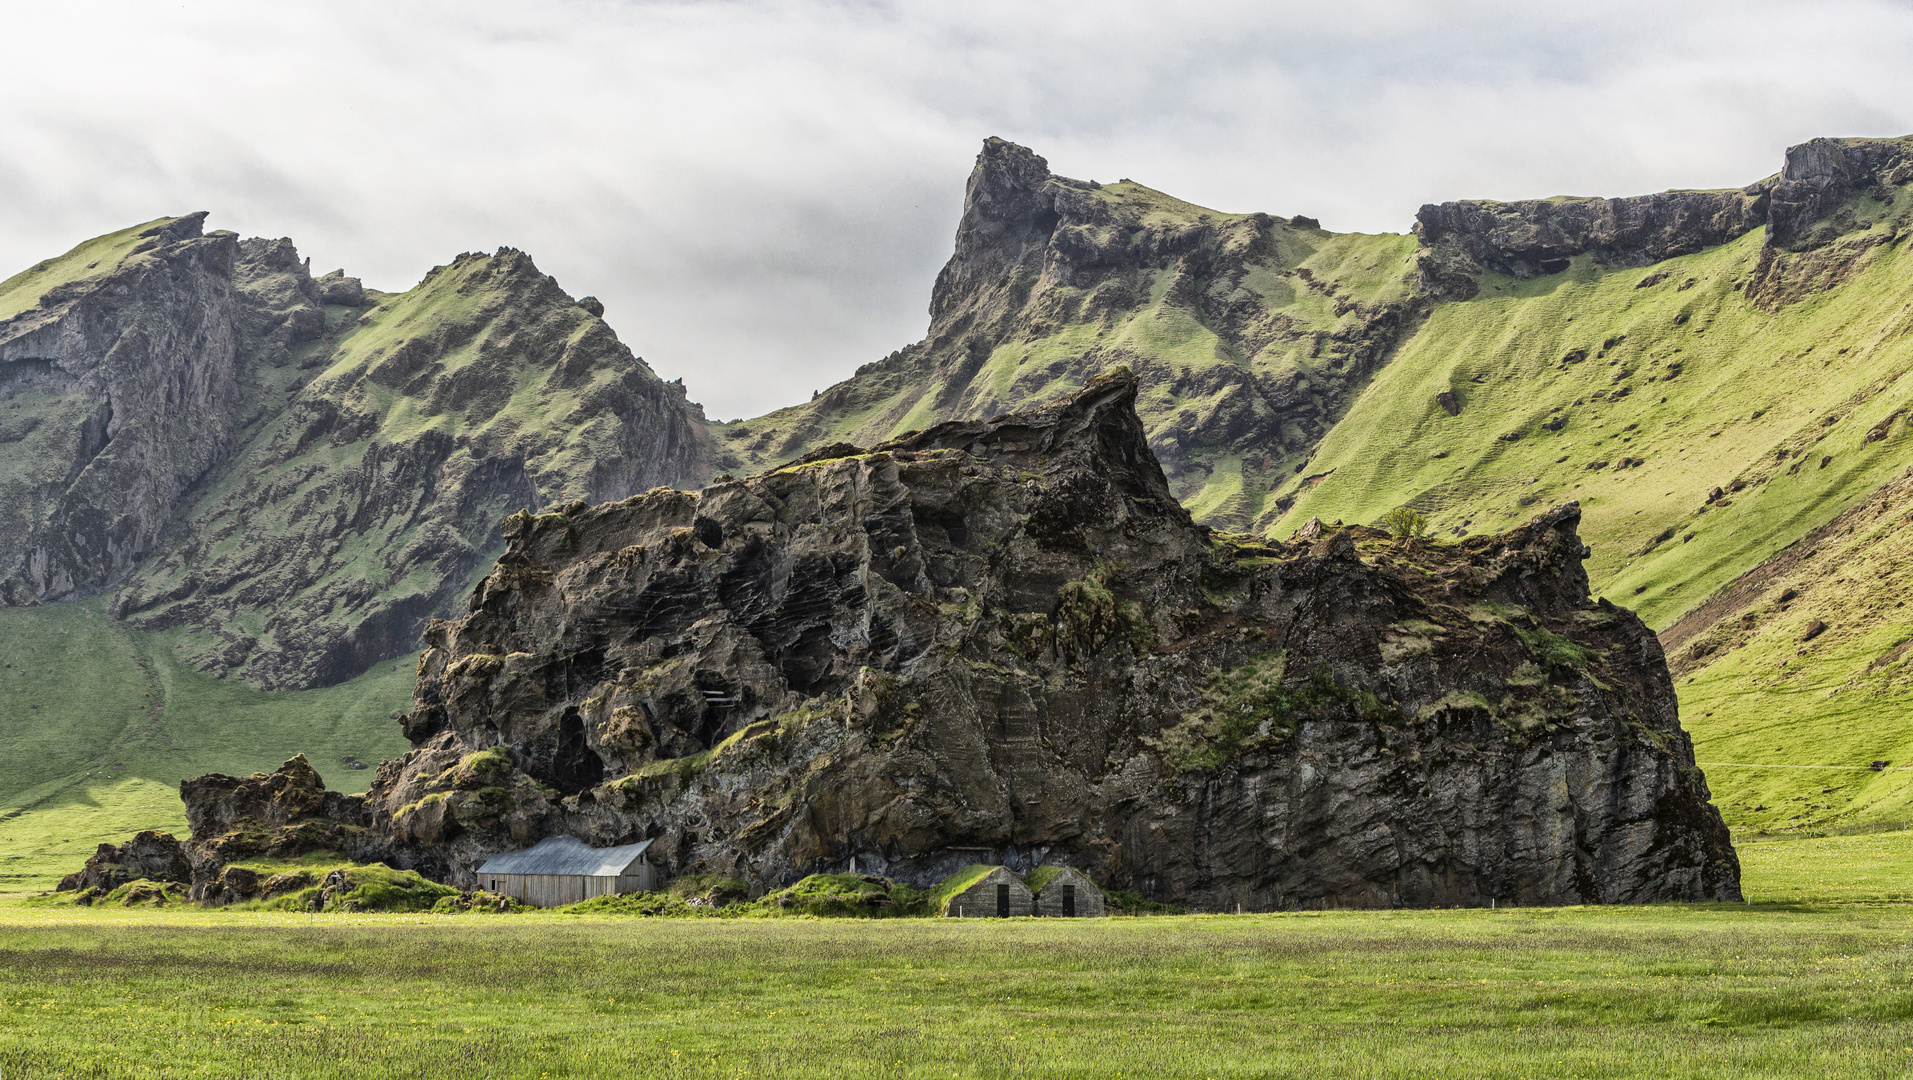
x=1766 y=991
x=1815 y=978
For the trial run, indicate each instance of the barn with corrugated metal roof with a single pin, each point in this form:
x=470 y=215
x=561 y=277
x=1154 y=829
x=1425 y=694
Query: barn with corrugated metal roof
x=564 y=870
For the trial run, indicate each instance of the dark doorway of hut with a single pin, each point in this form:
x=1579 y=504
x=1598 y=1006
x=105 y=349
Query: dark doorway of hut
x=1002 y=901
x=1069 y=901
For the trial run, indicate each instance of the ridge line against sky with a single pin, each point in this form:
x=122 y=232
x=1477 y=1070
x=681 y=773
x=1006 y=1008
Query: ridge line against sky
x=762 y=191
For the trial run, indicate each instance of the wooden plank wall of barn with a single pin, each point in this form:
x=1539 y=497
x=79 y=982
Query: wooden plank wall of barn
x=554 y=890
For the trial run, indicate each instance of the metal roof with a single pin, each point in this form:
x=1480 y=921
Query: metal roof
x=567 y=855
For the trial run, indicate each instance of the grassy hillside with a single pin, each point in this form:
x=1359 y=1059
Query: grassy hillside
x=94 y=259
x=1805 y=662
x=1562 y=379
x=1640 y=392
x=101 y=723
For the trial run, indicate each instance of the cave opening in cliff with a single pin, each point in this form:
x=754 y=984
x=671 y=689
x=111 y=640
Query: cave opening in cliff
x=575 y=767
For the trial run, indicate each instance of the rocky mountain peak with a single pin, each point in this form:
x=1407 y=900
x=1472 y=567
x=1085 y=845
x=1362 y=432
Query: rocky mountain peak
x=1008 y=209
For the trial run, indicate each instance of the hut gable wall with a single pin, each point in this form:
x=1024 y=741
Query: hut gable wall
x=988 y=898
x=1067 y=888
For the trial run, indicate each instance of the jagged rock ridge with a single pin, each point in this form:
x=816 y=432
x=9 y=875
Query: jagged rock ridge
x=296 y=471
x=1248 y=333
x=118 y=381
x=1804 y=207
x=1007 y=637
x=370 y=502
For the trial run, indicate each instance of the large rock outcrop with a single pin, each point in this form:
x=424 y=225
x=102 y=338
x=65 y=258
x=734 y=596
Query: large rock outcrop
x=278 y=815
x=1005 y=641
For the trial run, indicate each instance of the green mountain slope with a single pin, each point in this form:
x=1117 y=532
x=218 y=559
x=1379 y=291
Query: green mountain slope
x=1713 y=412
x=1804 y=661
x=101 y=723
x=1249 y=333
x=1565 y=383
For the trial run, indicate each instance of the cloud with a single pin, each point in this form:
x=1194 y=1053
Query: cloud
x=761 y=191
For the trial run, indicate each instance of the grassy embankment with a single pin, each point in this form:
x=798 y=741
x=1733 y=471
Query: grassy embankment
x=101 y=723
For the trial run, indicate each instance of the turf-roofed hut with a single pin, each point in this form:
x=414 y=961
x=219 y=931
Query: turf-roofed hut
x=1061 y=891
x=563 y=870
x=983 y=892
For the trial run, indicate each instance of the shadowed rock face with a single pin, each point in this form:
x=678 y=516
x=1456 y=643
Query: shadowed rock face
x=368 y=498
x=118 y=392
x=1803 y=207
x=1004 y=641
x=1536 y=237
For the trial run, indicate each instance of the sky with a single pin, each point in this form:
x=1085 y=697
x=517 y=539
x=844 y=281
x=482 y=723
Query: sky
x=762 y=191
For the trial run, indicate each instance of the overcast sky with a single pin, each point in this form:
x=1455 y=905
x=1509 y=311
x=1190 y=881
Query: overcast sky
x=762 y=191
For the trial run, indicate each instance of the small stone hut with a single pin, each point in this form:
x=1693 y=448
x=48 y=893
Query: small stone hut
x=1061 y=891
x=563 y=870
x=986 y=892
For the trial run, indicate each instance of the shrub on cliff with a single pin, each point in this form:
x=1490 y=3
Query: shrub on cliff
x=1405 y=524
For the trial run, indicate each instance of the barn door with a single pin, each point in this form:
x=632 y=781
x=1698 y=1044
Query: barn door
x=1069 y=900
x=1002 y=901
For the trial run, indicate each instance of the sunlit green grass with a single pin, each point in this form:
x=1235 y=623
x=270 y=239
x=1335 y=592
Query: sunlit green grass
x=1703 y=991
x=1864 y=867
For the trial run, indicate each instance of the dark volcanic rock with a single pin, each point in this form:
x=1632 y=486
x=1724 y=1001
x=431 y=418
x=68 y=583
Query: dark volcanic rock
x=1806 y=206
x=1822 y=175
x=336 y=288
x=153 y=855
x=1535 y=237
x=1004 y=641
x=132 y=373
x=278 y=815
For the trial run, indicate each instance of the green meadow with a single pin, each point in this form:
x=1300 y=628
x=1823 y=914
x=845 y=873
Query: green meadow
x=101 y=723
x=1770 y=989
x=1814 y=977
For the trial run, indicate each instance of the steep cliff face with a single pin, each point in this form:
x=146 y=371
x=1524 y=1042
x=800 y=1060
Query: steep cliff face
x=118 y=381
x=1006 y=641
x=1536 y=237
x=1828 y=190
x=368 y=501
x=1248 y=333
